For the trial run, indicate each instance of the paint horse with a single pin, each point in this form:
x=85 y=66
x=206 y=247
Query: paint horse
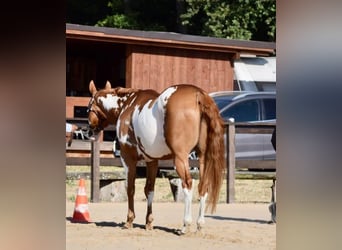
x=151 y=127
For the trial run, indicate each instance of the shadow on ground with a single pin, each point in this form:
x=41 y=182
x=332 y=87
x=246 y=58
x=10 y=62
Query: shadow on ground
x=121 y=225
x=215 y=217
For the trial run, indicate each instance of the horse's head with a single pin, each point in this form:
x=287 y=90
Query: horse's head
x=106 y=105
x=97 y=116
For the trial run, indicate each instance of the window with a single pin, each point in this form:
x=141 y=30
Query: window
x=243 y=111
x=270 y=109
x=222 y=101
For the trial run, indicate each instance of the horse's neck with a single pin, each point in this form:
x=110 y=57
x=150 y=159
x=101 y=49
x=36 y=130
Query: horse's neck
x=127 y=101
x=113 y=105
x=137 y=99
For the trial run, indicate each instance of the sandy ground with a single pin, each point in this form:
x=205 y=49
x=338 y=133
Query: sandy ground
x=232 y=226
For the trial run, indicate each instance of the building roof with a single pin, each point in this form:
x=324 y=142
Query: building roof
x=168 y=39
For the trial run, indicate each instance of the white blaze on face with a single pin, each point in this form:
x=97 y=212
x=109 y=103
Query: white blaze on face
x=149 y=125
x=109 y=101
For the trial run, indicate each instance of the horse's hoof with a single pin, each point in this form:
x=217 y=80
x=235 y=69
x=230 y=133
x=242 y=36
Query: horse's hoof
x=149 y=222
x=183 y=231
x=199 y=231
x=127 y=226
x=179 y=232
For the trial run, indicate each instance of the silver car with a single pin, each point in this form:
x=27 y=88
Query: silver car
x=249 y=107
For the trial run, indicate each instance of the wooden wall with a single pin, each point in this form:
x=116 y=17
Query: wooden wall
x=157 y=68
x=71 y=101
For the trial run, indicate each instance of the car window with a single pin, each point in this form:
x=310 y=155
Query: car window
x=270 y=109
x=222 y=101
x=243 y=111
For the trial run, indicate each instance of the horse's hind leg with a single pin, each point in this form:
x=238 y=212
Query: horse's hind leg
x=202 y=191
x=202 y=187
x=182 y=168
x=151 y=173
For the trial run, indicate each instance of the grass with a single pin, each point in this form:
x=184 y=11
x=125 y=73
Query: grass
x=246 y=191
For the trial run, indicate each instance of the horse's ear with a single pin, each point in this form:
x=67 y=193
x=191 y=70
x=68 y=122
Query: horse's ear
x=108 y=85
x=92 y=88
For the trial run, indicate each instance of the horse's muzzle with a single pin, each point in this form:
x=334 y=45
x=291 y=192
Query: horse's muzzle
x=94 y=130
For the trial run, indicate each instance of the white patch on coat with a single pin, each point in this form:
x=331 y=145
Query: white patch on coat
x=124 y=98
x=130 y=103
x=165 y=95
x=126 y=170
x=124 y=139
x=148 y=124
x=109 y=101
x=118 y=127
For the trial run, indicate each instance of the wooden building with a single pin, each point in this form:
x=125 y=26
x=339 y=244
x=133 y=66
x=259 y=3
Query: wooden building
x=148 y=59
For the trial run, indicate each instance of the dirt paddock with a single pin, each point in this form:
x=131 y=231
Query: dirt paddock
x=232 y=226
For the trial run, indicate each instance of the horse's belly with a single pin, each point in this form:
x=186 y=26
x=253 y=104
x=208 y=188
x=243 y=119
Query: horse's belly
x=153 y=145
x=149 y=132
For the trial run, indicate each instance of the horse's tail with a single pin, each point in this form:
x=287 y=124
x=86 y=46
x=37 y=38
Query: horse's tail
x=214 y=163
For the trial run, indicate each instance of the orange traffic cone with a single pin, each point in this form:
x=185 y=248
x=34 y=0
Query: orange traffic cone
x=81 y=212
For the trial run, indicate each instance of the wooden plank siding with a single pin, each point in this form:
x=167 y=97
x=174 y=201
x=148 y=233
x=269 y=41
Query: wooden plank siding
x=72 y=101
x=148 y=59
x=158 y=68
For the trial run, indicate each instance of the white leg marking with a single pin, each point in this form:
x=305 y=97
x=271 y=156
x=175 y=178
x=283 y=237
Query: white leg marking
x=200 y=220
x=187 y=209
x=150 y=198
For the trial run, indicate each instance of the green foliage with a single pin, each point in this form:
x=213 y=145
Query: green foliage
x=239 y=19
x=235 y=19
x=139 y=14
x=118 y=21
x=117 y=18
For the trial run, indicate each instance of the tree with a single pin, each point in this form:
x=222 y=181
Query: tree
x=157 y=15
x=236 y=19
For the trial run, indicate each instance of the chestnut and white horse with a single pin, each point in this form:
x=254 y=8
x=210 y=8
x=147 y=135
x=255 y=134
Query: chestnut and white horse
x=152 y=126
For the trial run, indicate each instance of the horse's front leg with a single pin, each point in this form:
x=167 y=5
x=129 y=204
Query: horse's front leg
x=130 y=169
x=151 y=173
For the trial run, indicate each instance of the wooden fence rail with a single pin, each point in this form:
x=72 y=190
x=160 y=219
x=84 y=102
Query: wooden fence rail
x=231 y=128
